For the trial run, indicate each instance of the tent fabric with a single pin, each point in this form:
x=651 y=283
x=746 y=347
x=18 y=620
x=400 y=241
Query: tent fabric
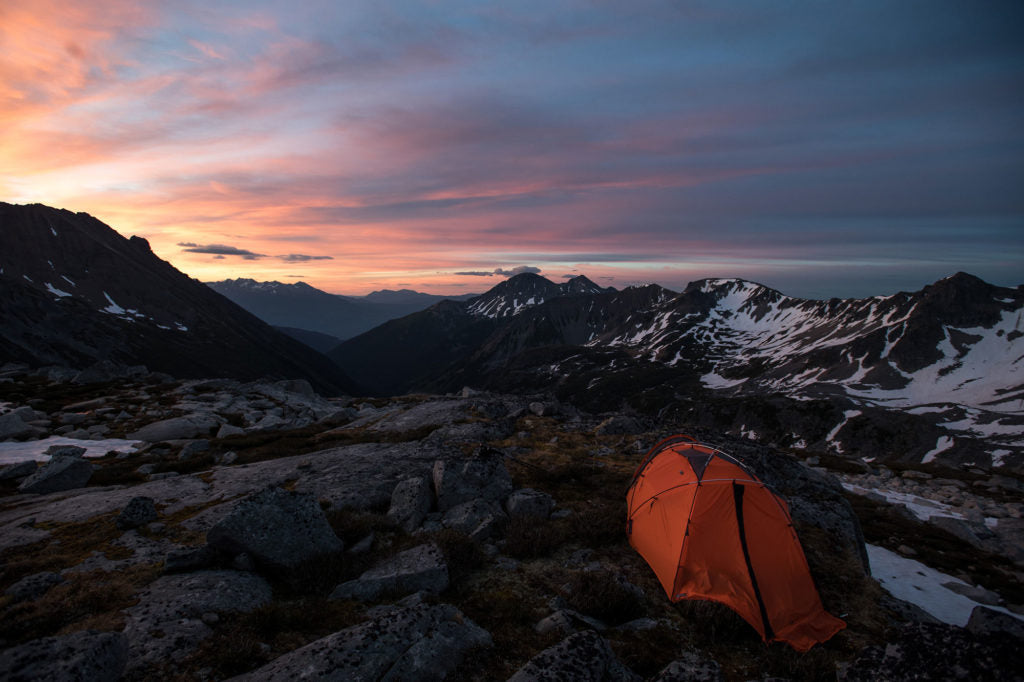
x=712 y=530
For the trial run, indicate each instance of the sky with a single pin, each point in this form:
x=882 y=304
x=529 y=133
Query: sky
x=821 y=148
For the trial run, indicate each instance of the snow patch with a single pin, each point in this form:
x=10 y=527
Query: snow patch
x=68 y=280
x=999 y=457
x=113 y=308
x=55 y=291
x=922 y=586
x=11 y=452
x=941 y=445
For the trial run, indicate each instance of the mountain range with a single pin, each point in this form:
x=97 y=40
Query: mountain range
x=938 y=372
x=298 y=309
x=935 y=375
x=74 y=292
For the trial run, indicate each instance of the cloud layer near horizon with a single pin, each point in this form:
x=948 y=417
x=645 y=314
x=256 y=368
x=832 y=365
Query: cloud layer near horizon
x=822 y=149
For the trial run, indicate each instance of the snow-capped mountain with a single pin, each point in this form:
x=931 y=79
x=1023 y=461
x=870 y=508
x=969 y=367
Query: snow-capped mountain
x=73 y=291
x=523 y=291
x=955 y=341
x=954 y=350
x=937 y=373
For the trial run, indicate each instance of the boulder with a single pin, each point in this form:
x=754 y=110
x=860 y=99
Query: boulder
x=167 y=623
x=483 y=475
x=65 y=451
x=138 y=512
x=33 y=587
x=690 y=668
x=226 y=430
x=13 y=427
x=410 y=502
x=60 y=473
x=921 y=651
x=529 y=502
x=189 y=450
x=278 y=528
x=986 y=622
x=582 y=657
x=974 y=534
x=85 y=655
x=420 y=569
x=417 y=642
x=13 y=472
x=177 y=428
x=479 y=518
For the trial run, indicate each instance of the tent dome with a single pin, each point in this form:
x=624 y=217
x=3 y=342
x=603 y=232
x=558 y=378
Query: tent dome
x=712 y=530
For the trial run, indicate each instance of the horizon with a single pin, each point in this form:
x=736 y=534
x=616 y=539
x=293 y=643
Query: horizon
x=822 y=151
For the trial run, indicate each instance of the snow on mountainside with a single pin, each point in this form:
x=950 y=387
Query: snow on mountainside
x=955 y=349
x=515 y=295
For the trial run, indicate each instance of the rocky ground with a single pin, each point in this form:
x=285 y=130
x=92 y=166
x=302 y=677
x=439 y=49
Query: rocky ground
x=263 y=532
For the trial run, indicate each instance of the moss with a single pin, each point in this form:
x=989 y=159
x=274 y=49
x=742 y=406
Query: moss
x=86 y=600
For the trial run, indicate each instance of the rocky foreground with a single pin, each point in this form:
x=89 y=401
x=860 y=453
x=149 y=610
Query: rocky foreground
x=260 y=532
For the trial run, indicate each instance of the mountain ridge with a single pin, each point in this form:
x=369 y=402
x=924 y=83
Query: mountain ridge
x=77 y=292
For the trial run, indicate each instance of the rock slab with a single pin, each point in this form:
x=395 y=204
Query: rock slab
x=420 y=569
x=86 y=655
x=167 y=623
x=582 y=657
x=418 y=642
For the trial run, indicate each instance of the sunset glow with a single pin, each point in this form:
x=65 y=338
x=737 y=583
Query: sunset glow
x=823 y=149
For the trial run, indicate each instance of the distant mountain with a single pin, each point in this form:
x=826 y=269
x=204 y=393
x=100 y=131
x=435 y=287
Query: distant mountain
x=73 y=291
x=949 y=357
x=303 y=307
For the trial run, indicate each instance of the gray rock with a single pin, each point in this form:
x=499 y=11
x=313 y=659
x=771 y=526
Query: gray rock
x=138 y=512
x=196 y=447
x=479 y=518
x=481 y=476
x=81 y=656
x=19 y=470
x=60 y=473
x=529 y=502
x=920 y=651
x=416 y=642
x=420 y=569
x=226 y=430
x=544 y=409
x=166 y=624
x=410 y=502
x=567 y=621
x=279 y=529
x=14 y=427
x=619 y=425
x=986 y=622
x=973 y=533
x=65 y=451
x=33 y=587
x=177 y=428
x=582 y=657
x=690 y=667
x=974 y=593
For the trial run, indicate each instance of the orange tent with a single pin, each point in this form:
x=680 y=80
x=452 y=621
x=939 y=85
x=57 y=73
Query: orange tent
x=711 y=530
